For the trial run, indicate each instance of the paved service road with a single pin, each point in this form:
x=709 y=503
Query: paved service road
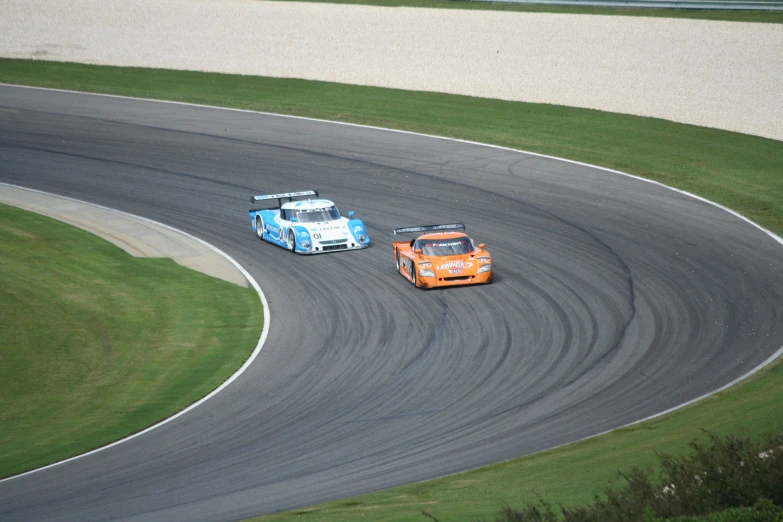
x=615 y=299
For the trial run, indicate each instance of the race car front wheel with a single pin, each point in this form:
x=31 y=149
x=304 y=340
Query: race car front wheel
x=291 y=241
x=413 y=274
x=397 y=259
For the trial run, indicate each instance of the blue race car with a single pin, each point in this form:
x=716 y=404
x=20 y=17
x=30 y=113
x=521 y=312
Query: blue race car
x=310 y=226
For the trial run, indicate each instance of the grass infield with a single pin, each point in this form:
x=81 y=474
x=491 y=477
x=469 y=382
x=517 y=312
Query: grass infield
x=97 y=344
x=739 y=171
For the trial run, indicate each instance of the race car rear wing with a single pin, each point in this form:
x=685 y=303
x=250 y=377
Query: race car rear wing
x=429 y=228
x=287 y=195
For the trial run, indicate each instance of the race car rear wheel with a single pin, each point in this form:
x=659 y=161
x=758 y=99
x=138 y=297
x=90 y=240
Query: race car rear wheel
x=291 y=241
x=259 y=227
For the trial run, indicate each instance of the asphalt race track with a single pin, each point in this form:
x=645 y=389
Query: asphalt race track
x=614 y=299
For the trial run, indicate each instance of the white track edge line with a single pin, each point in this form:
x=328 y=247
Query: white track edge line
x=232 y=378
x=772 y=235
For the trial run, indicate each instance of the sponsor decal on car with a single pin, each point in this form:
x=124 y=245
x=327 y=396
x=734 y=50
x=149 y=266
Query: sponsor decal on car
x=455 y=265
x=338 y=227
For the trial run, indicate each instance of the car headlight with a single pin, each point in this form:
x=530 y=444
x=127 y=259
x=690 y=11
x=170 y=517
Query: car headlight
x=363 y=238
x=306 y=245
x=426 y=272
x=484 y=268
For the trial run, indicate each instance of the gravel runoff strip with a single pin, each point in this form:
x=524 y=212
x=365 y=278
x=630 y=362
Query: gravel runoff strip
x=727 y=75
x=139 y=237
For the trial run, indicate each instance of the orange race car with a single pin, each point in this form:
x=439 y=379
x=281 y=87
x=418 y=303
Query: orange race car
x=441 y=257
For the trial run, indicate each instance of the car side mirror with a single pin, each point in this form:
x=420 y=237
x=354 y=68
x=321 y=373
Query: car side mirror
x=417 y=251
x=292 y=219
x=481 y=246
x=350 y=214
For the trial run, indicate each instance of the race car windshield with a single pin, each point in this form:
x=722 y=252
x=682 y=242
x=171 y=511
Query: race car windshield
x=317 y=215
x=445 y=247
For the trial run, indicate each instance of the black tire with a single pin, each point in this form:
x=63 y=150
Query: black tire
x=260 y=227
x=413 y=273
x=291 y=241
x=397 y=259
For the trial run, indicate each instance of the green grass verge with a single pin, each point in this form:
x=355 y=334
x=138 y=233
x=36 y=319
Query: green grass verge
x=97 y=344
x=742 y=172
x=771 y=17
